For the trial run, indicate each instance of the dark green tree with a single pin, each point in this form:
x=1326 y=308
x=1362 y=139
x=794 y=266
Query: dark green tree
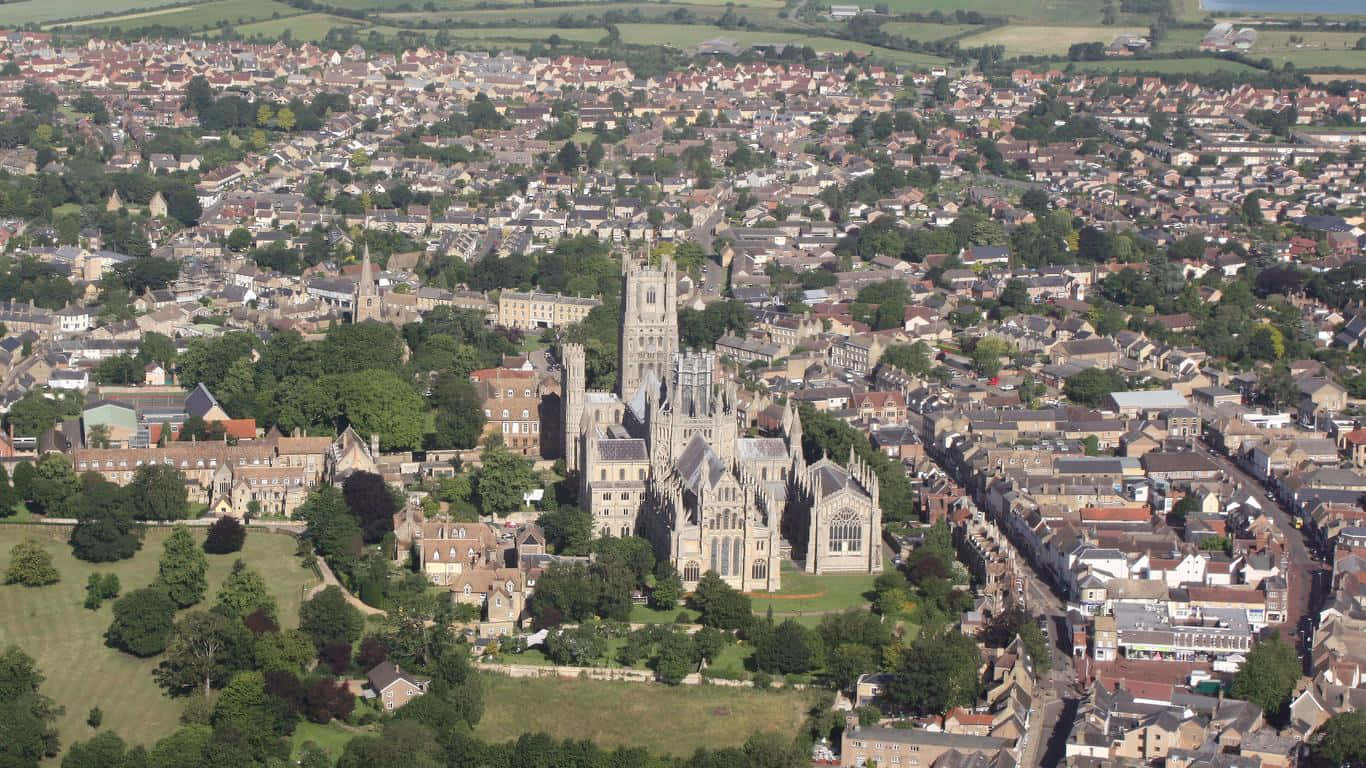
x=329 y=619
x=1268 y=676
x=183 y=568
x=143 y=620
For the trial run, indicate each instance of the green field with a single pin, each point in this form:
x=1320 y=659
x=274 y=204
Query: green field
x=685 y=36
x=924 y=30
x=307 y=26
x=1035 y=11
x=1046 y=41
x=67 y=640
x=205 y=16
x=1202 y=65
x=1309 y=48
x=42 y=11
x=808 y=594
x=663 y=719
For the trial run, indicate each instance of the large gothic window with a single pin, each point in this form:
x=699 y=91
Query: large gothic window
x=759 y=569
x=738 y=553
x=692 y=571
x=846 y=532
x=725 y=557
x=714 y=566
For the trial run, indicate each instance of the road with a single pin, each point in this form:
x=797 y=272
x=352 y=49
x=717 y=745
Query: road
x=1057 y=700
x=1300 y=579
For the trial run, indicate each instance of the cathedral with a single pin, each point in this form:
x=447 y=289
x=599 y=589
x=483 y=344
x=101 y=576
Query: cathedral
x=663 y=457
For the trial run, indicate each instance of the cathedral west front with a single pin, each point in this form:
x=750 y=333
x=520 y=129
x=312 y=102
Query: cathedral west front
x=663 y=457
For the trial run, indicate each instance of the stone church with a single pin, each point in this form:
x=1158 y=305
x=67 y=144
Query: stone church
x=663 y=457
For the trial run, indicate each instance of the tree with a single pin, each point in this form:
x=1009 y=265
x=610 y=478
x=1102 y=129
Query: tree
x=577 y=646
x=239 y=240
x=719 y=604
x=849 y=661
x=329 y=619
x=225 y=536
x=459 y=411
x=103 y=750
x=31 y=565
x=564 y=592
x=284 y=119
x=1276 y=387
x=790 y=648
x=244 y=591
x=1341 y=741
x=501 y=481
x=105 y=529
x=568 y=529
x=568 y=157
x=335 y=534
x=142 y=622
x=668 y=589
x=183 y=568
x=1268 y=676
x=1089 y=387
x=54 y=488
x=378 y=402
x=27 y=717
x=373 y=504
x=100 y=587
x=677 y=657
x=205 y=650
x=937 y=673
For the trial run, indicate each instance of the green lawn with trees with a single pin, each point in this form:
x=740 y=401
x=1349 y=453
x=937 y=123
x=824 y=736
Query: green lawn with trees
x=52 y=625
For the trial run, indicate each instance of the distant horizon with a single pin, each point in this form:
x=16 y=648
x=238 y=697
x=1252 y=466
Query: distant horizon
x=1344 y=7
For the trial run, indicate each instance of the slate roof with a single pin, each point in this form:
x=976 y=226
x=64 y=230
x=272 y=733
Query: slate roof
x=622 y=450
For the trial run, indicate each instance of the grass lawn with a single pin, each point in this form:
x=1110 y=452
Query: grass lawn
x=663 y=719
x=731 y=660
x=805 y=593
x=67 y=640
x=644 y=614
x=331 y=737
x=1046 y=41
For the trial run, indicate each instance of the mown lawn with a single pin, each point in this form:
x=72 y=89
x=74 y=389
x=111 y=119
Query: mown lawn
x=805 y=593
x=663 y=719
x=53 y=627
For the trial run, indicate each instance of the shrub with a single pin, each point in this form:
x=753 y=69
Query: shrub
x=226 y=535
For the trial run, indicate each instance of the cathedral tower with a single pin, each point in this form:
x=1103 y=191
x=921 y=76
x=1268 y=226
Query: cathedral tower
x=572 y=386
x=365 y=304
x=649 y=322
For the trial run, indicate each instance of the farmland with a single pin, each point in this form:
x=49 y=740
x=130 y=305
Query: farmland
x=197 y=17
x=1046 y=41
x=664 y=719
x=67 y=640
x=307 y=26
x=42 y=11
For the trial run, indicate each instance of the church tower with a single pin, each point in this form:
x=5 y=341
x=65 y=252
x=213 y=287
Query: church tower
x=365 y=304
x=649 y=322
x=572 y=387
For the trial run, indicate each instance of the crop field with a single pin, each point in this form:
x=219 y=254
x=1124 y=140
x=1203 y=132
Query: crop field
x=1046 y=41
x=43 y=11
x=664 y=719
x=1197 y=66
x=684 y=35
x=67 y=640
x=917 y=30
x=1027 y=11
x=197 y=17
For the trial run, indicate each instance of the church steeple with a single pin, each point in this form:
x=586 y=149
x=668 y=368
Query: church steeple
x=365 y=304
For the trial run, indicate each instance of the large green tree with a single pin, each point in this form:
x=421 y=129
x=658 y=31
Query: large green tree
x=502 y=479
x=206 y=649
x=1268 y=676
x=183 y=568
x=720 y=604
x=143 y=620
x=1341 y=741
x=328 y=619
x=27 y=717
x=244 y=592
x=937 y=673
x=105 y=529
x=380 y=402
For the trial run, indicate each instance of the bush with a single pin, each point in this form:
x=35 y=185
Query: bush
x=31 y=565
x=763 y=681
x=226 y=535
x=99 y=588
